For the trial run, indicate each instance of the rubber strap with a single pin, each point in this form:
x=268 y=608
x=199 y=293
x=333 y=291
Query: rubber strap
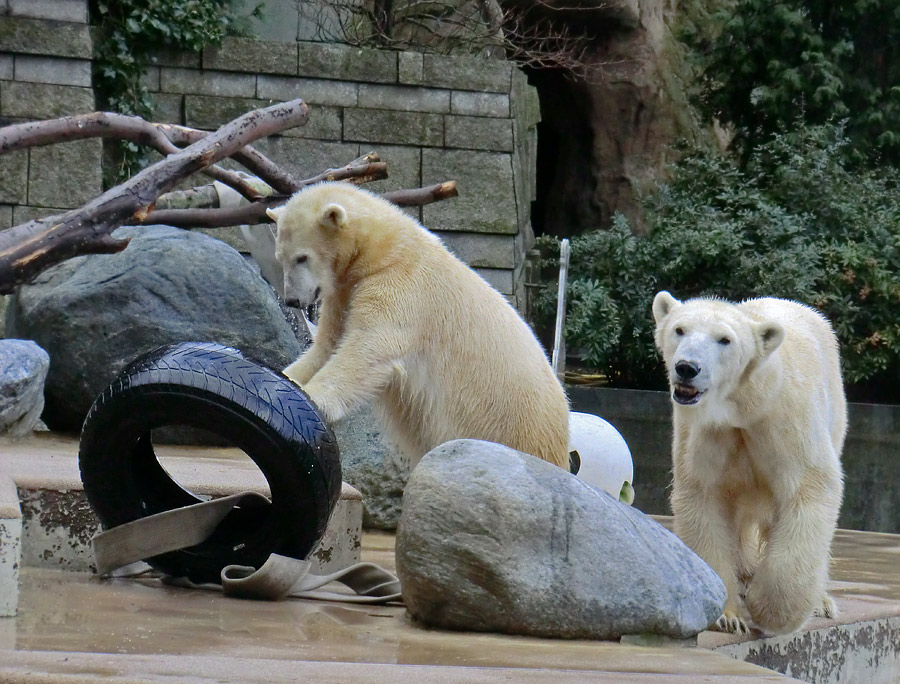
x=278 y=578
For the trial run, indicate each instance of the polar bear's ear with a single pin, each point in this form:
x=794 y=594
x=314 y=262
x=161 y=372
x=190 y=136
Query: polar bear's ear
x=334 y=216
x=770 y=335
x=275 y=213
x=663 y=304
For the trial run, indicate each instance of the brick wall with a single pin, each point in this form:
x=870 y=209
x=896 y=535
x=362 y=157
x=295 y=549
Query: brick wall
x=45 y=72
x=432 y=118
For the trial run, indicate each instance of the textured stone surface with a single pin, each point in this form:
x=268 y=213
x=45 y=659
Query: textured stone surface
x=323 y=123
x=482 y=251
x=494 y=540
x=10 y=546
x=479 y=104
x=391 y=126
x=486 y=202
x=23 y=370
x=404 y=98
x=313 y=91
x=368 y=463
x=59 y=10
x=74 y=72
x=67 y=173
x=219 y=83
x=478 y=133
x=95 y=314
x=467 y=73
x=250 y=54
x=14 y=177
x=204 y=111
x=43 y=100
x=347 y=63
x=38 y=37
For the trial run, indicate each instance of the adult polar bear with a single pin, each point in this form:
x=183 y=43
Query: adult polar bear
x=405 y=323
x=759 y=424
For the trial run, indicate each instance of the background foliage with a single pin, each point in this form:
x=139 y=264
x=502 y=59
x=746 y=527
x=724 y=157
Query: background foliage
x=128 y=33
x=795 y=221
x=765 y=62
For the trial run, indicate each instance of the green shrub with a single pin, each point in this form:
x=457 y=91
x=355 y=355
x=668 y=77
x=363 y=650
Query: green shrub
x=795 y=222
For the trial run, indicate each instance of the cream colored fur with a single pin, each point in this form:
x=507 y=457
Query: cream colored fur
x=407 y=325
x=757 y=473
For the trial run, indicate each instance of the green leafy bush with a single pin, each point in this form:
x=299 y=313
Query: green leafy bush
x=764 y=62
x=795 y=222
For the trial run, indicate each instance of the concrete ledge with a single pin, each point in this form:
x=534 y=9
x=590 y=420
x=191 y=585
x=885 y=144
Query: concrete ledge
x=58 y=523
x=10 y=546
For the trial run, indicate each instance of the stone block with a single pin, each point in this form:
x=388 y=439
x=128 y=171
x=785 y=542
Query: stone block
x=481 y=251
x=202 y=111
x=39 y=37
x=176 y=58
x=486 y=202
x=324 y=123
x=14 y=177
x=306 y=158
x=387 y=126
x=478 y=133
x=75 y=11
x=404 y=98
x=44 y=100
x=479 y=104
x=467 y=73
x=167 y=108
x=6 y=67
x=10 y=546
x=24 y=213
x=255 y=56
x=313 y=91
x=5 y=222
x=278 y=21
x=500 y=279
x=348 y=63
x=202 y=82
x=404 y=165
x=150 y=78
x=68 y=173
x=410 y=68
x=72 y=72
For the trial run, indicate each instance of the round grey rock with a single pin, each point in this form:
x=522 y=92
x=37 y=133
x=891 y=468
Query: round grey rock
x=23 y=370
x=95 y=314
x=491 y=539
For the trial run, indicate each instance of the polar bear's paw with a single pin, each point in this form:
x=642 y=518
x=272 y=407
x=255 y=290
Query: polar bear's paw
x=828 y=609
x=730 y=623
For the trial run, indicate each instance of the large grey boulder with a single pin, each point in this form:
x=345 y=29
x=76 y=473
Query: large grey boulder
x=370 y=464
x=491 y=539
x=95 y=314
x=23 y=370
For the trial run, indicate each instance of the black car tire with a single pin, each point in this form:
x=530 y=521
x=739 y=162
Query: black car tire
x=217 y=389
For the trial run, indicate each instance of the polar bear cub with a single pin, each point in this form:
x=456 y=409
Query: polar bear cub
x=759 y=424
x=405 y=323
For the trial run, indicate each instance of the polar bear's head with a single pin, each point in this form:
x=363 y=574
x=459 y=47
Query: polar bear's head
x=306 y=243
x=709 y=346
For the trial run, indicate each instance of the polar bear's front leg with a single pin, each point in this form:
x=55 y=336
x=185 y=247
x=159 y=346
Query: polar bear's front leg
x=311 y=361
x=702 y=524
x=789 y=585
x=358 y=370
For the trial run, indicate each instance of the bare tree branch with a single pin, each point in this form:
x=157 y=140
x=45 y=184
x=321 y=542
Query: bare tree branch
x=27 y=249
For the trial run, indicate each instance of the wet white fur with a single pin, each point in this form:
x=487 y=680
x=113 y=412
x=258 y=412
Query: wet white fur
x=408 y=326
x=757 y=474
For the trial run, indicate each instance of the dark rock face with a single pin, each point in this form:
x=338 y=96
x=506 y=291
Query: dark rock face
x=23 y=370
x=95 y=314
x=491 y=539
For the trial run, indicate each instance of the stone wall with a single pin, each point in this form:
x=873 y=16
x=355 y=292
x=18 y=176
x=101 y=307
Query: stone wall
x=432 y=118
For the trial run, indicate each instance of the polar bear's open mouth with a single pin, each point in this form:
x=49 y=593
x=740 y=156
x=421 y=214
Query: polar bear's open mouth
x=686 y=394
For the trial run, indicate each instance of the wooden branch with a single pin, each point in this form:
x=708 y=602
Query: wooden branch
x=419 y=196
x=27 y=249
x=107 y=125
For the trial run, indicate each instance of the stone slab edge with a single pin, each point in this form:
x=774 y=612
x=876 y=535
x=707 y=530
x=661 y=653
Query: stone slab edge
x=10 y=546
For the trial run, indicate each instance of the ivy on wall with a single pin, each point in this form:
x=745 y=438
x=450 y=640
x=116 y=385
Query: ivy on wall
x=128 y=32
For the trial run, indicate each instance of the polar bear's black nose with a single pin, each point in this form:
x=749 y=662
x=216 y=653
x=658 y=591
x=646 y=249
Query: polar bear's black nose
x=293 y=302
x=687 y=370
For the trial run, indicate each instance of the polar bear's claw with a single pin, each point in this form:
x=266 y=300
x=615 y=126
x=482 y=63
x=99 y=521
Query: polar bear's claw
x=731 y=624
x=828 y=609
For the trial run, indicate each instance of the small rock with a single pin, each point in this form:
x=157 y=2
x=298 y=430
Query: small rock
x=491 y=539
x=23 y=370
